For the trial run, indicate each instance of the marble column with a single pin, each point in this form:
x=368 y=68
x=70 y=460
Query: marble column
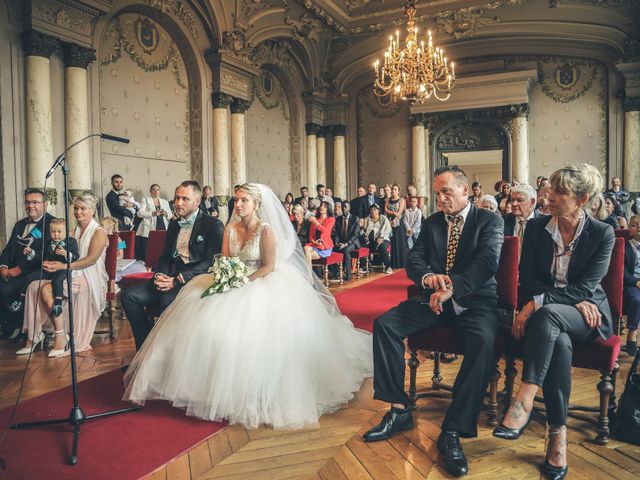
x=520 y=144
x=419 y=155
x=38 y=49
x=221 y=161
x=339 y=161
x=631 y=180
x=76 y=108
x=321 y=155
x=312 y=130
x=238 y=141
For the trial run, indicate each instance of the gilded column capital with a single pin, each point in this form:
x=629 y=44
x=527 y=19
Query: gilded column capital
x=631 y=104
x=323 y=132
x=239 y=105
x=38 y=44
x=221 y=100
x=77 y=56
x=417 y=120
x=520 y=110
x=338 y=130
x=312 y=128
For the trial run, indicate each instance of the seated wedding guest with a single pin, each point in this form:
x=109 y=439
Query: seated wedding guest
x=288 y=204
x=504 y=197
x=110 y=227
x=507 y=208
x=346 y=236
x=359 y=205
x=320 y=243
x=376 y=232
x=564 y=258
x=338 y=210
x=620 y=196
x=488 y=202
x=89 y=286
x=155 y=214
x=412 y=220
x=15 y=267
x=599 y=211
x=300 y=224
x=124 y=266
x=372 y=199
x=523 y=202
x=329 y=193
x=613 y=209
x=453 y=262
x=632 y=284
x=304 y=193
x=192 y=241
x=394 y=208
x=381 y=193
x=542 y=205
x=121 y=212
x=476 y=190
x=209 y=203
x=314 y=204
x=323 y=197
x=387 y=191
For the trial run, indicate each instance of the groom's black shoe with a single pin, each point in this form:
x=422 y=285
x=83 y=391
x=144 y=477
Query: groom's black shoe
x=394 y=421
x=454 y=459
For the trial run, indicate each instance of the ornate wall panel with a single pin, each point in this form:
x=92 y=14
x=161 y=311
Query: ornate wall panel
x=144 y=96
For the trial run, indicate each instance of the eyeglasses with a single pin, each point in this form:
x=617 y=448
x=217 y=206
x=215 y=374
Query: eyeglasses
x=28 y=203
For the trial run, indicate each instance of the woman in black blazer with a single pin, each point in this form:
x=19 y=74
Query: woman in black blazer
x=564 y=258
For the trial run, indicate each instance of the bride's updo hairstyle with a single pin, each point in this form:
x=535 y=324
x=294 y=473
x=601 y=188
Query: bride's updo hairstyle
x=579 y=180
x=252 y=189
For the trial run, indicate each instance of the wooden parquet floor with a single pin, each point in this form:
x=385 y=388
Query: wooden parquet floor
x=335 y=450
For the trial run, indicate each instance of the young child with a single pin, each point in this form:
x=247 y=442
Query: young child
x=412 y=221
x=56 y=251
x=110 y=226
x=123 y=266
x=127 y=200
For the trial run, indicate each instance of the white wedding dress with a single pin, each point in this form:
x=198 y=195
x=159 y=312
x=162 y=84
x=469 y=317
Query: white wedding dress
x=276 y=351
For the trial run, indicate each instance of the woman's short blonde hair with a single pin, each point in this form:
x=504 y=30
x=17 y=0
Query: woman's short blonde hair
x=89 y=200
x=298 y=209
x=580 y=180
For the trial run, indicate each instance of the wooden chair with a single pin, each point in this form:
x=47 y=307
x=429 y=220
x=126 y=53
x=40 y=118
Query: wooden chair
x=372 y=256
x=446 y=339
x=111 y=261
x=129 y=238
x=623 y=233
x=155 y=246
x=362 y=252
x=335 y=258
x=601 y=355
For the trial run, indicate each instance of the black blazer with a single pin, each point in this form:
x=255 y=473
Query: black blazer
x=360 y=207
x=510 y=223
x=118 y=211
x=350 y=237
x=72 y=247
x=588 y=266
x=204 y=243
x=473 y=273
x=13 y=256
x=214 y=206
x=630 y=259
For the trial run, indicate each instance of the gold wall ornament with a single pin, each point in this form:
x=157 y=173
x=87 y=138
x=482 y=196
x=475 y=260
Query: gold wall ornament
x=415 y=72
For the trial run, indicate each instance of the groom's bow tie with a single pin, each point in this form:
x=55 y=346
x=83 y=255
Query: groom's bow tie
x=186 y=222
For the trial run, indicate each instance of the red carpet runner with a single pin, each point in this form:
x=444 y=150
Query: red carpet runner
x=132 y=445
x=364 y=303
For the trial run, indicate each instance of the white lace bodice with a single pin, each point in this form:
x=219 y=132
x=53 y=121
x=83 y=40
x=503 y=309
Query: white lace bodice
x=250 y=253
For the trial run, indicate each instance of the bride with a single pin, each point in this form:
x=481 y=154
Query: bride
x=276 y=351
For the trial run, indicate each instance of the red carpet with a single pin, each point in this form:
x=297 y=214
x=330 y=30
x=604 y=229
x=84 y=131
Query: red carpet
x=126 y=446
x=364 y=303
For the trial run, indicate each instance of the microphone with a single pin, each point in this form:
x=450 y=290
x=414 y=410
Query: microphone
x=113 y=138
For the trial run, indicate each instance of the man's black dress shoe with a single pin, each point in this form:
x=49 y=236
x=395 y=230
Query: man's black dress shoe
x=454 y=459
x=394 y=421
x=510 y=433
x=554 y=473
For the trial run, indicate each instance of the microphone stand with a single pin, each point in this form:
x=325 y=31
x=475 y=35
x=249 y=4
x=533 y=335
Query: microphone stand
x=76 y=417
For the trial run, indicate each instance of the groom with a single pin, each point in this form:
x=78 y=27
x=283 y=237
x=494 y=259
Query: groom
x=453 y=261
x=192 y=241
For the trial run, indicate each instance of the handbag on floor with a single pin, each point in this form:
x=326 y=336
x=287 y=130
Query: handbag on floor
x=627 y=422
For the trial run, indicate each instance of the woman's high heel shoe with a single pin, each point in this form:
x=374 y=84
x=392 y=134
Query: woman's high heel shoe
x=510 y=433
x=554 y=473
x=59 y=352
x=34 y=345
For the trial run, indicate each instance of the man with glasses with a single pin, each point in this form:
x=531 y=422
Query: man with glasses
x=16 y=270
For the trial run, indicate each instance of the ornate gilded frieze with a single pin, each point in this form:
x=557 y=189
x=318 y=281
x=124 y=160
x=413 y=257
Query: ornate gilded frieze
x=471 y=136
x=67 y=19
x=179 y=9
x=274 y=52
x=499 y=116
x=308 y=27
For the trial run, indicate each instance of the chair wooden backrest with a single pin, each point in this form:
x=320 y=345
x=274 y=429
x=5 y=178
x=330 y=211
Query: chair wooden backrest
x=155 y=246
x=111 y=262
x=613 y=283
x=129 y=238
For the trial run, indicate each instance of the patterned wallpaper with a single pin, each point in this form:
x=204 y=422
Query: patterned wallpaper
x=384 y=141
x=144 y=97
x=568 y=117
x=269 y=135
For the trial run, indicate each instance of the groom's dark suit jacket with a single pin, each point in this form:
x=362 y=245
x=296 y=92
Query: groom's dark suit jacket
x=204 y=243
x=478 y=253
x=588 y=265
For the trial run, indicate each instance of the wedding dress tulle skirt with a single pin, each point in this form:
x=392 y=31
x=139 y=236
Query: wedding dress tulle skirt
x=267 y=353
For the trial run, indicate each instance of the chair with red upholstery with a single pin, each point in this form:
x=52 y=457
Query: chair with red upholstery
x=623 y=233
x=356 y=255
x=111 y=261
x=601 y=355
x=129 y=238
x=336 y=258
x=446 y=339
x=155 y=245
x=373 y=254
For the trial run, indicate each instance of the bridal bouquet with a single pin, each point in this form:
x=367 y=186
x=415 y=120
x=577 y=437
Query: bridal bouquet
x=228 y=273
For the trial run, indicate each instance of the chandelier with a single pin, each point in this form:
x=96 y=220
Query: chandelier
x=416 y=72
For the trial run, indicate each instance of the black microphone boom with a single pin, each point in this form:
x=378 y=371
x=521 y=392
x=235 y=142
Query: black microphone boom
x=113 y=138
